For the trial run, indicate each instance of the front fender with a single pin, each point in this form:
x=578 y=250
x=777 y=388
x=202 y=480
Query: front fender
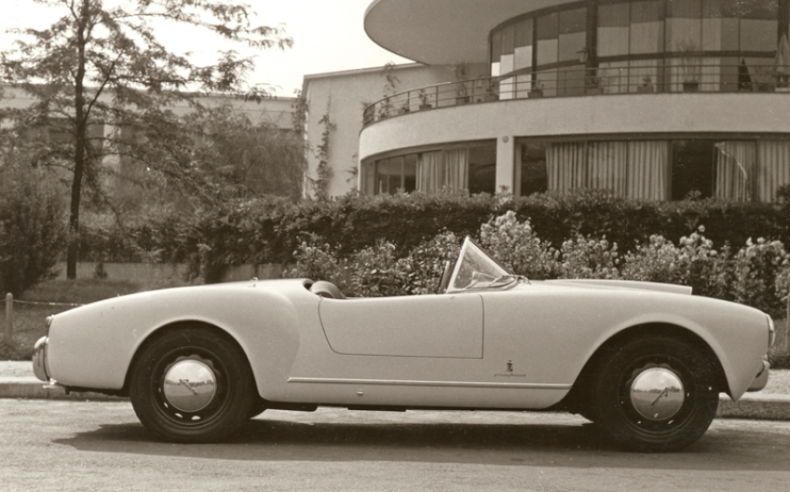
x=93 y=346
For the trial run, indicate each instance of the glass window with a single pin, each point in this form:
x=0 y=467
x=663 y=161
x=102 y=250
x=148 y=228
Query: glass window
x=496 y=46
x=613 y=32
x=524 y=33
x=647 y=27
x=482 y=169
x=369 y=178
x=523 y=49
x=508 y=39
x=572 y=33
x=388 y=175
x=548 y=38
x=534 y=178
x=692 y=168
x=410 y=173
x=684 y=25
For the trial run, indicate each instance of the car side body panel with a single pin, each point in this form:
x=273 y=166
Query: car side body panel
x=519 y=348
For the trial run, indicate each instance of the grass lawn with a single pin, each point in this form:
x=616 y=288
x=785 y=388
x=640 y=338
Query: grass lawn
x=29 y=319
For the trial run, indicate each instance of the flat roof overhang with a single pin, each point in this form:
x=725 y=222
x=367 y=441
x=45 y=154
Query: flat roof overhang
x=443 y=32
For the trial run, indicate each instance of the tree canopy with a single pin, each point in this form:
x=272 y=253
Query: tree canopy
x=102 y=62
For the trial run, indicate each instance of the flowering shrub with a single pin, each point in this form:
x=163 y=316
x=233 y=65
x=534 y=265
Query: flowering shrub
x=425 y=263
x=761 y=275
x=589 y=258
x=515 y=245
x=757 y=275
x=693 y=262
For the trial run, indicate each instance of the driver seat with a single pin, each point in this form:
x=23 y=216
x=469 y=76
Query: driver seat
x=326 y=289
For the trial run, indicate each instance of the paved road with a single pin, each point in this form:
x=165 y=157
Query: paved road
x=85 y=446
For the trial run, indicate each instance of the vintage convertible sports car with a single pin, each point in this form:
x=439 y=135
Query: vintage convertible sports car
x=644 y=361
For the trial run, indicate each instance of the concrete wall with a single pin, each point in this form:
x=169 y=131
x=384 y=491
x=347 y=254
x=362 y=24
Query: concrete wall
x=758 y=113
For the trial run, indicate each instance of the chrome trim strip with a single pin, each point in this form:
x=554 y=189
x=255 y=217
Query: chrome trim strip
x=440 y=384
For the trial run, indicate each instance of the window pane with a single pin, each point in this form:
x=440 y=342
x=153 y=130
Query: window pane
x=647 y=27
x=684 y=25
x=534 y=178
x=524 y=33
x=482 y=169
x=508 y=39
x=613 y=29
x=548 y=42
x=410 y=173
x=573 y=33
x=388 y=177
x=758 y=34
x=369 y=178
x=496 y=46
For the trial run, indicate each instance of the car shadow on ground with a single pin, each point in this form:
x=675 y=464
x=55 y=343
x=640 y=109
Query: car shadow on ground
x=554 y=445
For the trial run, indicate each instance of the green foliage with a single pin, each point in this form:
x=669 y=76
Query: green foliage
x=757 y=275
x=324 y=170
x=31 y=224
x=516 y=245
x=103 y=63
x=600 y=231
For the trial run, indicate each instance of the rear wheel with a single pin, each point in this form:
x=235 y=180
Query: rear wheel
x=655 y=394
x=192 y=384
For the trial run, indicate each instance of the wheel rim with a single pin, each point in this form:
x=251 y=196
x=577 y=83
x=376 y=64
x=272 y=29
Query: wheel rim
x=657 y=396
x=191 y=387
x=657 y=393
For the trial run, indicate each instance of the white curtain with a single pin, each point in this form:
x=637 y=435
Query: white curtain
x=773 y=171
x=649 y=170
x=566 y=166
x=429 y=172
x=735 y=162
x=456 y=169
x=443 y=170
x=606 y=163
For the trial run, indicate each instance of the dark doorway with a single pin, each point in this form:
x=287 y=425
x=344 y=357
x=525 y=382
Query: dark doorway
x=692 y=168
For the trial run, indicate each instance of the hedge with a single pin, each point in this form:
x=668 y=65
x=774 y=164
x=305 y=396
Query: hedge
x=269 y=229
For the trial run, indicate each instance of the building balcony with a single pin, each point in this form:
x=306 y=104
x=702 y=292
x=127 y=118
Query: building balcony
x=671 y=75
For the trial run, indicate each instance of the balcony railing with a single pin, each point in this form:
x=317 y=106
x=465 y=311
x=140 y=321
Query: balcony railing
x=649 y=77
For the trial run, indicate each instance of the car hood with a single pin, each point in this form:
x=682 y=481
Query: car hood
x=623 y=284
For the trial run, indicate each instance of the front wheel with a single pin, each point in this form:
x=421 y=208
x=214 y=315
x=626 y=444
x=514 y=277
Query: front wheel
x=192 y=384
x=655 y=394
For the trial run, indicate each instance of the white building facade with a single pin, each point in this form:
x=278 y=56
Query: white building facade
x=650 y=99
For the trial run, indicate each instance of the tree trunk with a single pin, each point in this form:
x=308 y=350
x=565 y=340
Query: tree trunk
x=73 y=248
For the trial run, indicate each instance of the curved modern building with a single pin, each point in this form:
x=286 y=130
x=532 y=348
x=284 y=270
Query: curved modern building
x=651 y=99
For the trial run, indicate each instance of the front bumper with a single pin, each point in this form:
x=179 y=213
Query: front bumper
x=761 y=379
x=40 y=368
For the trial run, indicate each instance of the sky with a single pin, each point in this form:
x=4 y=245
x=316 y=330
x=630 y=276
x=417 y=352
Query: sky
x=328 y=36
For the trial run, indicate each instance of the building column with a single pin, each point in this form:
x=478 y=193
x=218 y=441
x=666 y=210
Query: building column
x=506 y=164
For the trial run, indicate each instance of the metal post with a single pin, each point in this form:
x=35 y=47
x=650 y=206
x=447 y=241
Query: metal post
x=9 y=316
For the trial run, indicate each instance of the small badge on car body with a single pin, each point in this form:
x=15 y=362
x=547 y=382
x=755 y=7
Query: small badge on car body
x=509 y=371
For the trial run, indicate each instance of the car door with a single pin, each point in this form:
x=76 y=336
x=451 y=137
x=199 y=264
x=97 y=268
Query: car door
x=429 y=326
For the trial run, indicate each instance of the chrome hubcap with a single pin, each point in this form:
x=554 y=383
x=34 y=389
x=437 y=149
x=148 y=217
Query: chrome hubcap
x=657 y=393
x=190 y=385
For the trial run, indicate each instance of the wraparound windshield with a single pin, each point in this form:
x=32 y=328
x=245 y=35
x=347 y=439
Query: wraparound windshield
x=475 y=270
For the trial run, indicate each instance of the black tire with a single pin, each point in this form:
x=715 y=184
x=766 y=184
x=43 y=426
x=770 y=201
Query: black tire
x=611 y=400
x=232 y=392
